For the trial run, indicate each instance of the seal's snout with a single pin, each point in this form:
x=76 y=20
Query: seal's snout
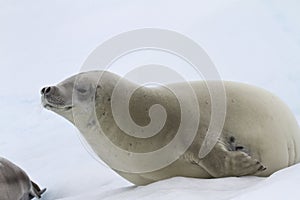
x=49 y=96
x=47 y=90
x=53 y=98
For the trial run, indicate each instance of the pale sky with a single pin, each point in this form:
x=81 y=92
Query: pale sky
x=257 y=42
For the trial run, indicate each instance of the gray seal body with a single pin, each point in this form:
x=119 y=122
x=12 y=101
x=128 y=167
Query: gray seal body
x=260 y=134
x=15 y=184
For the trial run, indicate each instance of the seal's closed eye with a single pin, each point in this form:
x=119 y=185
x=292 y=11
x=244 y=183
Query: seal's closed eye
x=81 y=90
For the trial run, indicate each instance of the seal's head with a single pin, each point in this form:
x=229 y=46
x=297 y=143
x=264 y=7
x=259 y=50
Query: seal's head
x=76 y=95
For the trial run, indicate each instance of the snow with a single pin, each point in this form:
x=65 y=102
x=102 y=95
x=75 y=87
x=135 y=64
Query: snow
x=51 y=151
x=281 y=185
x=257 y=42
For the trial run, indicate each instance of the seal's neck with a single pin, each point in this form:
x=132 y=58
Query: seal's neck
x=131 y=104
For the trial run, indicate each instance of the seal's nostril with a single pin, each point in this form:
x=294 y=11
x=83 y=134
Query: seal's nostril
x=45 y=90
x=48 y=89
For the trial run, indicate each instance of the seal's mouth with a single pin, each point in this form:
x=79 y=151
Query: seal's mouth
x=51 y=106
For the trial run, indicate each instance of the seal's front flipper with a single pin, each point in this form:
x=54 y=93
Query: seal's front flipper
x=42 y=191
x=36 y=191
x=221 y=162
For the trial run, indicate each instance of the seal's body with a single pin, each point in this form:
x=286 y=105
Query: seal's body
x=15 y=184
x=260 y=134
